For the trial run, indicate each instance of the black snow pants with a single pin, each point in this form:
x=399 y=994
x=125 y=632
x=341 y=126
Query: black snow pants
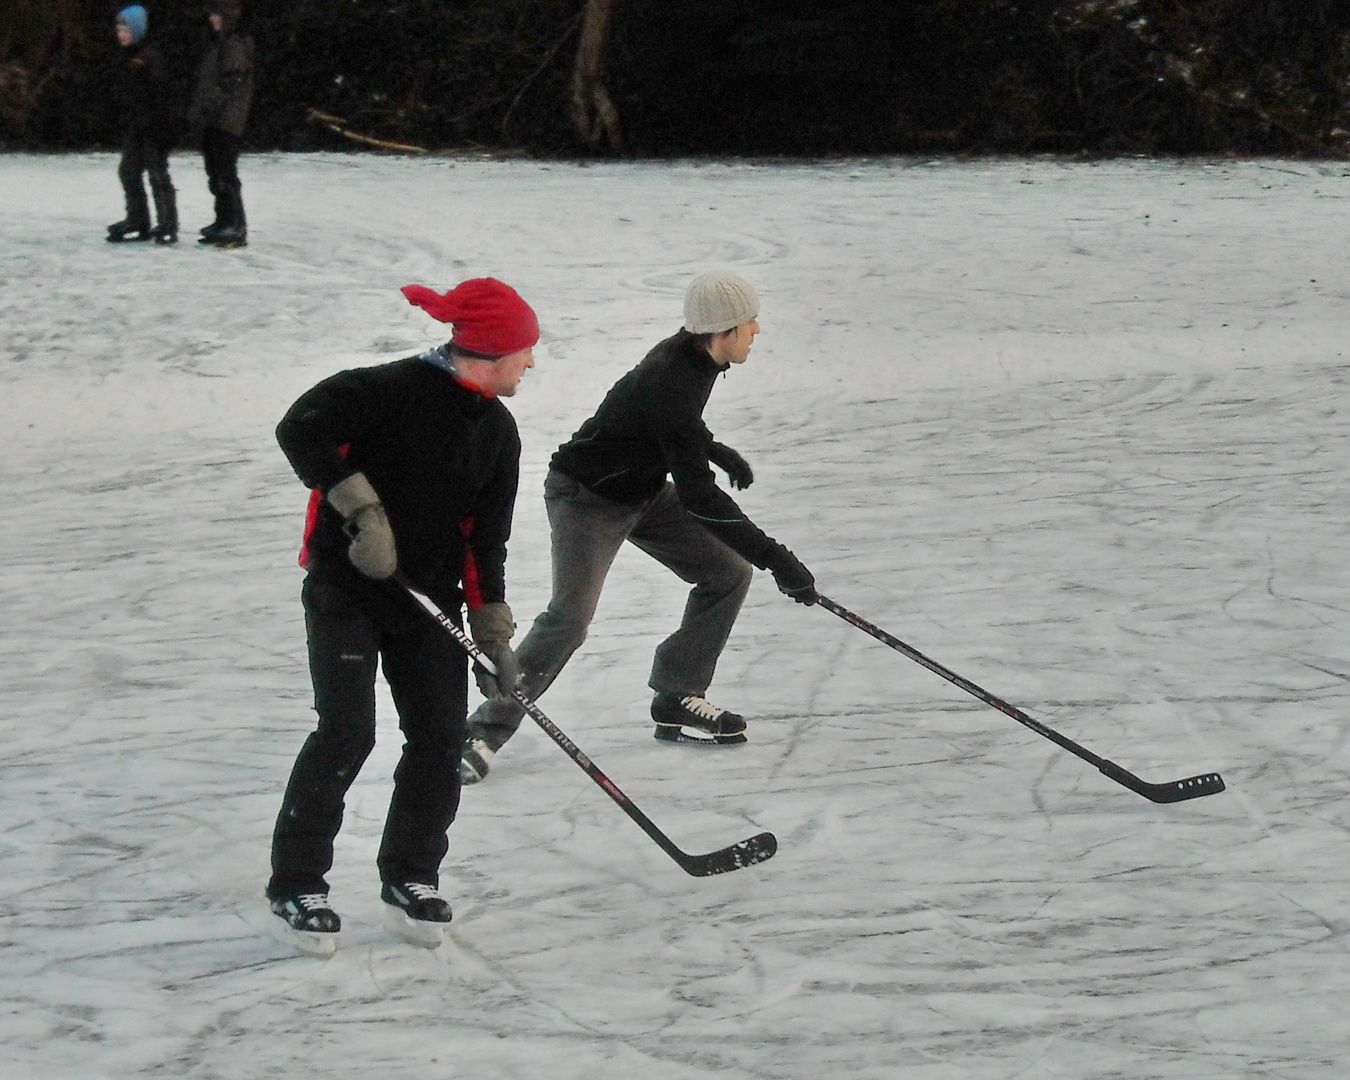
x=142 y=155
x=220 y=155
x=428 y=676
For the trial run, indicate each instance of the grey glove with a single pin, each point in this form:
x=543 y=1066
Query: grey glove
x=491 y=627
x=736 y=467
x=792 y=578
x=364 y=520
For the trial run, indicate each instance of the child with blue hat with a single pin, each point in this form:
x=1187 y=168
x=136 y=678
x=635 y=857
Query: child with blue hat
x=147 y=134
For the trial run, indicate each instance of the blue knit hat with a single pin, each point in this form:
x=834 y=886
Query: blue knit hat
x=135 y=19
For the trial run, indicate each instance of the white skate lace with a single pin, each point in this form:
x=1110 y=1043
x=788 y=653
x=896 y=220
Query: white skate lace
x=701 y=707
x=312 y=902
x=422 y=892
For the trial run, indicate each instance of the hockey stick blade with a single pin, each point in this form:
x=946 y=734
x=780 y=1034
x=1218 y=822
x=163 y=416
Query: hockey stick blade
x=1193 y=787
x=748 y=852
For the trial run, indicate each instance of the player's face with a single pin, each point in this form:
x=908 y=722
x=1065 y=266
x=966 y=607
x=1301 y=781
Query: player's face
x=506 y=372
x=123 y=34
x=734 y=346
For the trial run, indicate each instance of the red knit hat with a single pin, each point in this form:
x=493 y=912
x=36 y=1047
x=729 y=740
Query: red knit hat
x=489 y=317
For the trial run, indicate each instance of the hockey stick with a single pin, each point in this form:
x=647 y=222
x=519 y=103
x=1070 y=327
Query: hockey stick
x=1193 y=787
x=724 y=860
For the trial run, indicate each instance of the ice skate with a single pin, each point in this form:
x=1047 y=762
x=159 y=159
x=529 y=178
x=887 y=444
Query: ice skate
x=306 y=922
x=694 y=719
x=128 y=231
x=225 y=238
x=473 y=764
x=166 y=217
x=416 y=912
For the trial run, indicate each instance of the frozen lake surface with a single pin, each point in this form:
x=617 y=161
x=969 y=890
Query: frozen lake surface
x=1077 y=431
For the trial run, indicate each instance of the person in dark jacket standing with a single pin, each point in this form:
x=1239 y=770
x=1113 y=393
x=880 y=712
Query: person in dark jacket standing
x=147 y=134
x=220 y=112
x=413 y=467
x=638 y=471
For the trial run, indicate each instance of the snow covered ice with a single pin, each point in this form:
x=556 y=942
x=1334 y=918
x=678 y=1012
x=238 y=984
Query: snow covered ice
x=1076 y=431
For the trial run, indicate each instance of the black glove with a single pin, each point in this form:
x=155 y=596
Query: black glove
x=791 y=577
x=736 y=467
x=364 y=520
x=492 y=626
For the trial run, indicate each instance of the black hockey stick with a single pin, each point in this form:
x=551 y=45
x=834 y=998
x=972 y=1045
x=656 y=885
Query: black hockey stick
x=746 y=853
x=1193 y=787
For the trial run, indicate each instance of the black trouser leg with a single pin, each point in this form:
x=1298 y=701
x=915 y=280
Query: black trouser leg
x=161 y=187
x=220 y=153
x=133 y=188
x=428 y=676
x=343 y=651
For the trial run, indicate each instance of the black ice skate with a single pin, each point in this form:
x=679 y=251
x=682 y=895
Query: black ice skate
x=225 y=238
x=166 y=216
x=307 y=922
x=416 y=912
x=693 y=719
x=473 y=764
x=128 y=231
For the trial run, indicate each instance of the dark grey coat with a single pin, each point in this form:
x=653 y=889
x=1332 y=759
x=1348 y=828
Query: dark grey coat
x=225 y=84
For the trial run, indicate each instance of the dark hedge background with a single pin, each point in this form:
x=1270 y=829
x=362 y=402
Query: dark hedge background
x=733 y=77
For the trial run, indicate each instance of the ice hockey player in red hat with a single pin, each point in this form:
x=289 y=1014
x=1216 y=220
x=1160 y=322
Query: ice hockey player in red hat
x=413 y=467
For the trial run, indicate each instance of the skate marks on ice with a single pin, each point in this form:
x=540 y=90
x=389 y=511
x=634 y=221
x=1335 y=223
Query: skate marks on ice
x=995 y=409
x=1156 y=634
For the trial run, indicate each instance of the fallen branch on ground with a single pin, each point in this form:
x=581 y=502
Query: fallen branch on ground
x=338 y=126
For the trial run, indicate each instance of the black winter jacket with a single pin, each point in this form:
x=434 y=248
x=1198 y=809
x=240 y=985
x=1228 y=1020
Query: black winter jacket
x=650 y=425
x=144 y=97
x=443 y=459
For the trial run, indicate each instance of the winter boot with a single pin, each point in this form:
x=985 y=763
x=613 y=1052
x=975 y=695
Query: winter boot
x=307 y=922
x=473 y=764
x=416 y=912
x=128 y=231
x=694 y=719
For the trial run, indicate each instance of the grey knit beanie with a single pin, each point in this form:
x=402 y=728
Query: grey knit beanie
x=719 y=301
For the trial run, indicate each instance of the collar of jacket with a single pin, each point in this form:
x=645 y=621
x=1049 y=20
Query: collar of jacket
x=439 y=357
x=698 y=358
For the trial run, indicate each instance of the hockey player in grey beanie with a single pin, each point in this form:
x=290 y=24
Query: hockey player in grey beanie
x=638 y=470
x=717 y=302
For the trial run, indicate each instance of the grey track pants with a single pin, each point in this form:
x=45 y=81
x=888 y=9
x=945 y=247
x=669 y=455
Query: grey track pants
x=586 y=532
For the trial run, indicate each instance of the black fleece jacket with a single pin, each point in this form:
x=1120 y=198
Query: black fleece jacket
x=443 y=459
x=143 y=95
x=650 y=425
